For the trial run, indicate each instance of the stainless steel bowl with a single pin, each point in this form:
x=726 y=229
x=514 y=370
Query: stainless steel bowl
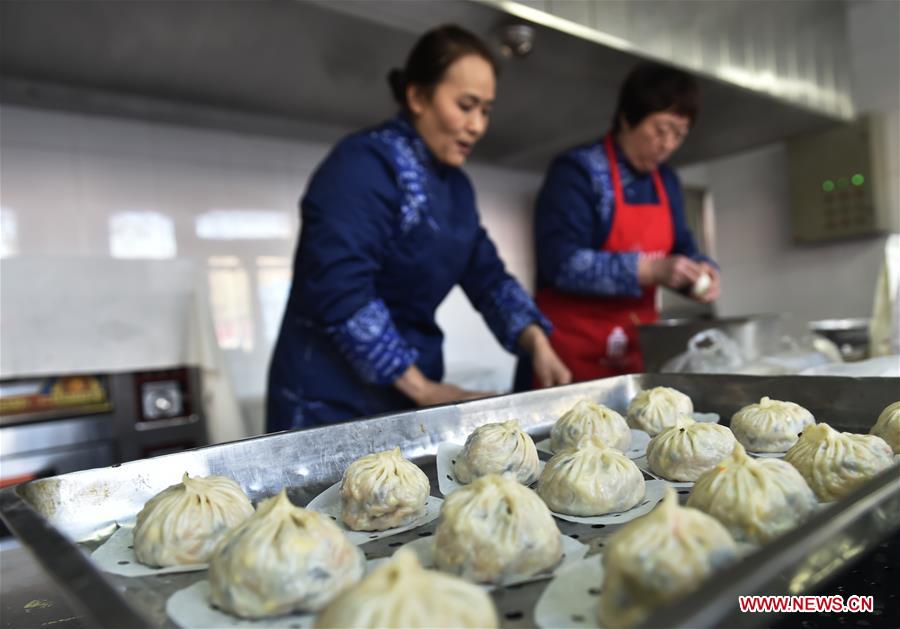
x=756 y=335
x=850 y=335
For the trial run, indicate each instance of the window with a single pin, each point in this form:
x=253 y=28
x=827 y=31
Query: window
x=229 y=296
x=141 y=234
x=273 y=284
x=9 y=233
x=243 y=225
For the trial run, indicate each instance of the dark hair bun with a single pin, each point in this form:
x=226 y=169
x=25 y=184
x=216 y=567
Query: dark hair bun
x=397 y=80
x=432 y=54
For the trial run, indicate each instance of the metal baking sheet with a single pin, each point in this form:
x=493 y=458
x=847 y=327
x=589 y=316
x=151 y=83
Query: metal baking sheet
x=60 y=518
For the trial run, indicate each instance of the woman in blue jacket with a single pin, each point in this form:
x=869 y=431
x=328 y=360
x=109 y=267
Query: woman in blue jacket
x=389 y=227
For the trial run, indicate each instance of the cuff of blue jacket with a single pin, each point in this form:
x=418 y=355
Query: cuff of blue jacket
x=601 y=273
x=509 y=310
x=699 y=257
x=371 y=343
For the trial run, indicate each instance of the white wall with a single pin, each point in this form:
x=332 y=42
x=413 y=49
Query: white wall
x=506 y=200
x=66 y=176
x=763 y=270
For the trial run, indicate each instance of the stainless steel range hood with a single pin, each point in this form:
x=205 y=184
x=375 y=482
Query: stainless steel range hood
x=316 y=69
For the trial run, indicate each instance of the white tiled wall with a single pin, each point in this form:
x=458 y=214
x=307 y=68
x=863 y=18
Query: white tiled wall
x=65 y=176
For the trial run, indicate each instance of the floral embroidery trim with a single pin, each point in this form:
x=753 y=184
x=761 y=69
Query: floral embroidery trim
x=370 y=341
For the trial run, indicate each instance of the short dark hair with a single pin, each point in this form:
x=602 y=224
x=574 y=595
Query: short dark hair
x=433 y=53
x=653 y=87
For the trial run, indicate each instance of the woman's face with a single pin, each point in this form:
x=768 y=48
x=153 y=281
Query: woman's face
x=652 y=141
x=455 y=115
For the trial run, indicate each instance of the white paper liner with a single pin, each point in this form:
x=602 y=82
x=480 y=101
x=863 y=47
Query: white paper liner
x=573 y=551
x=329 y=503
x=746 y=548
x=706 y=418
x=780 y=455
x=570 y=599
x=767 y=455
x=636 y=449
x=116 y=556
x=655 y=490
x=446 y=456
x=190 y=608
x=644 y=466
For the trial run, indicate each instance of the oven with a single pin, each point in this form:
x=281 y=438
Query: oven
x=51 y=425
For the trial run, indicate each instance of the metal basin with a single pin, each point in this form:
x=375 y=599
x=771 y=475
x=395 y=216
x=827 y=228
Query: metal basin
x=756 y=335
x=850 y=335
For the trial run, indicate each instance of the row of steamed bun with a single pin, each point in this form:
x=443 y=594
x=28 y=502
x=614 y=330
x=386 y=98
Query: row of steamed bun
x=589 y=475
x=832 y=463
x=756 y=499
x=666 y=554
x=660 y=557
x=282 y=558
x=586 y=476
x=492 y=527
x=270 y=561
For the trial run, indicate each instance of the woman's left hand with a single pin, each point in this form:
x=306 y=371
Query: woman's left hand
x=548 y=369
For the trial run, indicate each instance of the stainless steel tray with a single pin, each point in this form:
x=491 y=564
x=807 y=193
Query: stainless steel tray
x=59 y=518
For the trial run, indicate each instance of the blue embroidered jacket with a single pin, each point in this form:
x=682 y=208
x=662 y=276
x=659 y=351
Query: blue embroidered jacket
x=574 y=216
x=387 y=232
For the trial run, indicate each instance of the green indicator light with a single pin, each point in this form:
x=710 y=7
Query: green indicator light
x=828 y=185
x=857 y=180
x=842 y=182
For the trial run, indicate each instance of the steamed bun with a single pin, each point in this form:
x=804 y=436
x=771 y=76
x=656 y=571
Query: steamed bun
x=655 y=409
x=756 y=499
x=495 y=528
x=183 y=523
x=888 y=426
x=382 y=491
x=835 y=463
x=770 y=425
x=401 y=593
x=687 y=449
x=283 y=559
x=590 y=418
x=496 y=449
x=591 y=479
x=657 y=558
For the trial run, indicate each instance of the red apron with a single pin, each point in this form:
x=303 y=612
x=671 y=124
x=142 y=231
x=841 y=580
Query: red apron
x=597 y=337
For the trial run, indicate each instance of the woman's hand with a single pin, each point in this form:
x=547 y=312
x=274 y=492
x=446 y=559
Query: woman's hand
x=444 y=393
x=424 y=392
x=548 y=369
x=714 y=290
x=675 y=272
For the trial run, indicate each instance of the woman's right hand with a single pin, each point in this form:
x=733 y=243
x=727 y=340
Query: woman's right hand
x=444 y=393
x=424 y=392
x=675 y=272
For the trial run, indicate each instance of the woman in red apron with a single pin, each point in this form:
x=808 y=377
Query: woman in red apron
x=610 y=228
